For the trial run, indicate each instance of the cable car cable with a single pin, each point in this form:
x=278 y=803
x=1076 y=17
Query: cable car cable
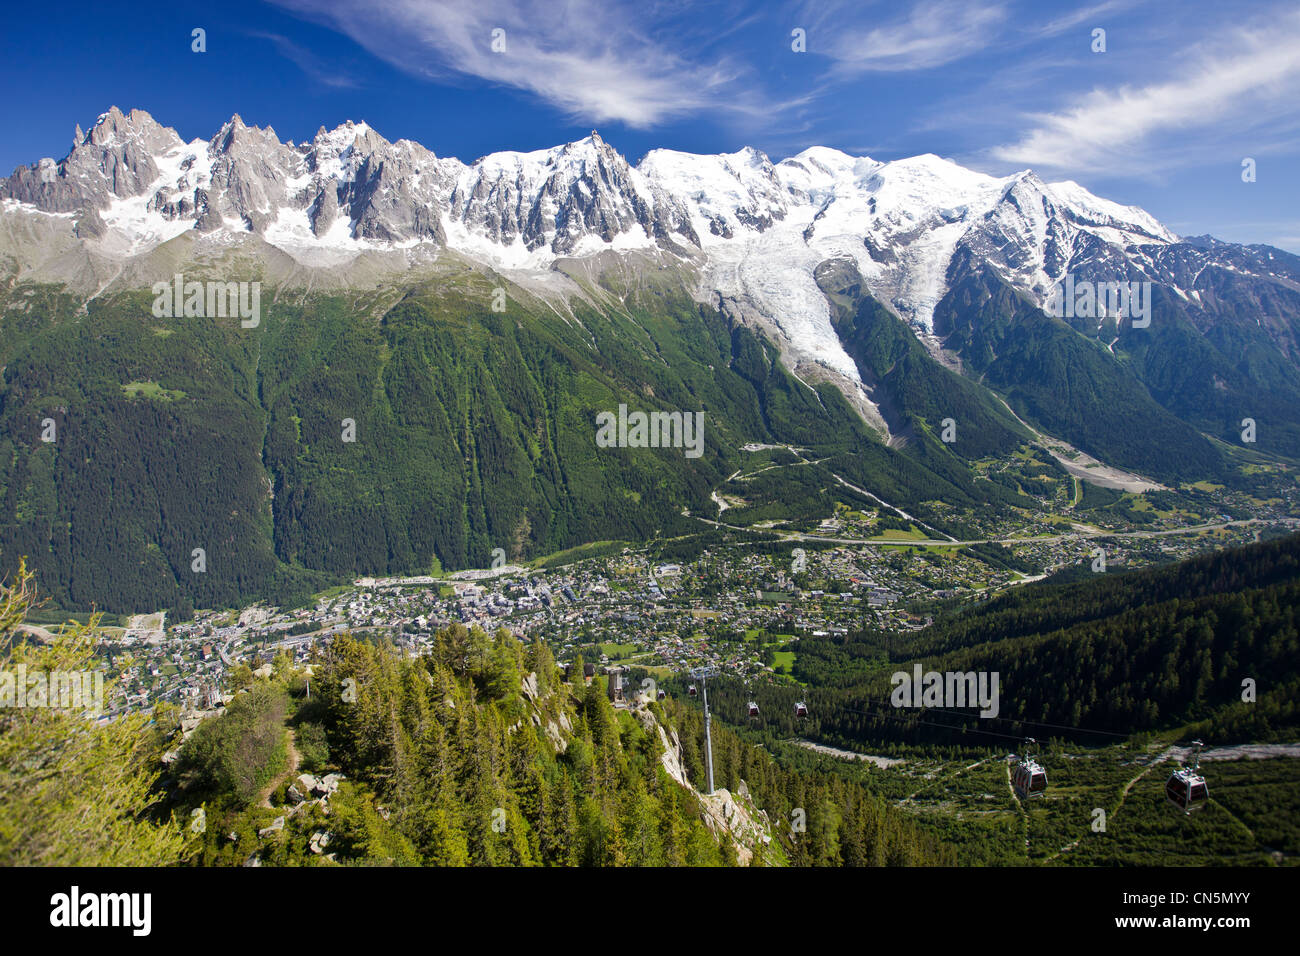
x=1036 y=723
x=987 y=733
x=928 y=723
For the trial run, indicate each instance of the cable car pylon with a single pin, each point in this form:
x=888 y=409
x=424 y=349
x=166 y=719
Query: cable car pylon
x=702 y=674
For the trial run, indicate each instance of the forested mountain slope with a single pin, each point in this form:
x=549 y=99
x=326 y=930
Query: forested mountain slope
x=1115 y=654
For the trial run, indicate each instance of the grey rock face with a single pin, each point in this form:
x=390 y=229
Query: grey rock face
x=208 y=214
x=555 y=198
x=116 y=158
x=585 y=197
x=251 y=173
x=90 y=225
x=324 y=210
x=244 y=174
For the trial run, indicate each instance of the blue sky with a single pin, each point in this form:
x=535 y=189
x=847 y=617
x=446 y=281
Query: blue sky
x=1162 y=119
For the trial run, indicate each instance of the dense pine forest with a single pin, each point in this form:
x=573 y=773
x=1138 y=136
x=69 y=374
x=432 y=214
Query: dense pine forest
x=367 y=434
x=1069 y=384
x=178 y=463
x=1114 y=653
x=447 y=763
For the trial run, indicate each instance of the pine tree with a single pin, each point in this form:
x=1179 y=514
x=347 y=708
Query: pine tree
x=73 y=793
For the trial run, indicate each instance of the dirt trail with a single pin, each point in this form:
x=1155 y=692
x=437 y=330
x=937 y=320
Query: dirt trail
x=882 y=762
x=1159 y=759
x=264 y=798
x=1065 y=849
x=1122 y=797
x=1240 y=752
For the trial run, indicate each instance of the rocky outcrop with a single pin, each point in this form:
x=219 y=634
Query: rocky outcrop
x=528 y=685
x=90 y=225
x=117 y=158
x=319 y=786
x=729 y=816
x=553 y=199
x=324 y=210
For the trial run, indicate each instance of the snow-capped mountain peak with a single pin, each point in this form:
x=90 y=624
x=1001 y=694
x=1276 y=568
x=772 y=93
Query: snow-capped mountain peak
x=753 y=231
x=349 y=188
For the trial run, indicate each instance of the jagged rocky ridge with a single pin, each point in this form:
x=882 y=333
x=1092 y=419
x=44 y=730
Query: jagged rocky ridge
x=901 y=221
x=750 y=232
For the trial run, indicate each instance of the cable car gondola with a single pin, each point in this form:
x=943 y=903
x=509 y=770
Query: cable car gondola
x=662 y=695
x=1028 y=777
x=690 y=689
x=1186 y=788
x=753 y=709
x=801 y=709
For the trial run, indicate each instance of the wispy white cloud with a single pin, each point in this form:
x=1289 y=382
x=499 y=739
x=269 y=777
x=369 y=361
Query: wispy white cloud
x=1068 y=21
x=930 y=34
x=308 y=62
x=596 y=61
x=999 y=84
x=1234 y=95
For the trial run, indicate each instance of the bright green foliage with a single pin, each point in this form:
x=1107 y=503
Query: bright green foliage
x=74 y=792
x=243 y=749
x=453 y=751
x=474 y=430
